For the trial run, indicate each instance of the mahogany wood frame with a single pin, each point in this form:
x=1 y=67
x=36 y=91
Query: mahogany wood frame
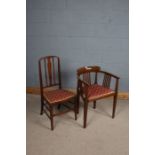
x=85 y=83
x=50 y=64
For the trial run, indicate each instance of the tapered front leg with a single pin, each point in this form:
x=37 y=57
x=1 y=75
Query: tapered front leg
x=51 y=117
x=75 y=107
x=114 y=106
x=78 y=102
x=85 y=114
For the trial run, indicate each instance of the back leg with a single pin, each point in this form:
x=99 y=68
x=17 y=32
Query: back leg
x=42 y=106
x=94 y=104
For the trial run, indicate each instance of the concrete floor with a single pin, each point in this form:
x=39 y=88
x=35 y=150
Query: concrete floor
x=103 y=135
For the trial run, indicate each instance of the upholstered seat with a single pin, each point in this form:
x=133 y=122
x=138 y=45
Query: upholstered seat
x=97 y=91
x=55 y=96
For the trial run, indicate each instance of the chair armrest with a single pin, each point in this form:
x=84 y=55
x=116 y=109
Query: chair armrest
x=110 y=74
x=82 y=88
x=84 y=82
x=114 y=76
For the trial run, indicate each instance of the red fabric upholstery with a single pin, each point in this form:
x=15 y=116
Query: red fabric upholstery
x=97 y=91
x=54 y=96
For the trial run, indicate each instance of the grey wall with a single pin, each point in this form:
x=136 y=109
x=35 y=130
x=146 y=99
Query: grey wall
x=80 y=32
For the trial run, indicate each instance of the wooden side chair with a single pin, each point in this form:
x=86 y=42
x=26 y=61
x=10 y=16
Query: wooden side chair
x=50 y=77
x=94 y=84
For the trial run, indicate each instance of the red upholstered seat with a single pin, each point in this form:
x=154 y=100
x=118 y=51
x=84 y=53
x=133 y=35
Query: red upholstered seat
x=97 y=91
x=54 y=96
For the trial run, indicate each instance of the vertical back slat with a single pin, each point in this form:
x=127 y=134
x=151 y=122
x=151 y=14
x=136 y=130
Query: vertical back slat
x=59 y=72
x=107 y=80
x=45 y=72
x=40 y=77
x=50 y=71
x=54 y=76
x=95 y=78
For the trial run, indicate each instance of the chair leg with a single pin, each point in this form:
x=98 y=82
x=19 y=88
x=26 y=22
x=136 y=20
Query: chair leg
x=78 y=103
x=75 y=107
x=59 y=105
x=114 y=106
x=94 y=104
x=42 y=106
x=85 y=114
x=51 y=117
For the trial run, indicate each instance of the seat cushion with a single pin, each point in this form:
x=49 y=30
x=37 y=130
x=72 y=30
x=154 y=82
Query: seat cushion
x=59 y=95
x=97 y=91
